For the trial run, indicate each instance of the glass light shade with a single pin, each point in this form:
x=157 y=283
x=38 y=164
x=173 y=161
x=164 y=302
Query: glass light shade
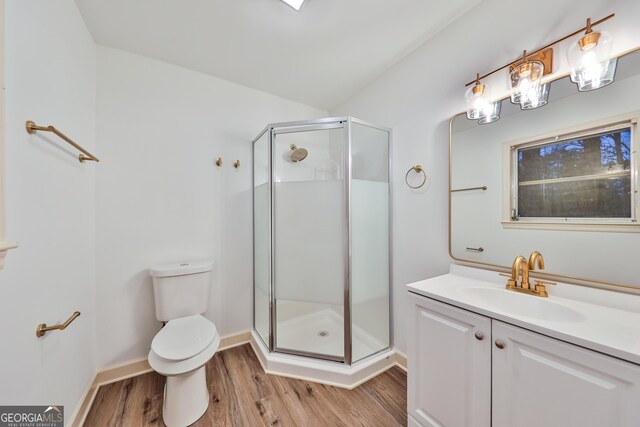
x=590 y=61
x=536 y=99
x=491 y=113
x=477 y=100
x=525 y=81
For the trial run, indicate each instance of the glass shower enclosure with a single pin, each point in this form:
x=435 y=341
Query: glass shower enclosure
x=321 y=199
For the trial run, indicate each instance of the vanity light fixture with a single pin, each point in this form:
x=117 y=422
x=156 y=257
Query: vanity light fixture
x=590 y=60
x=591 y=68
x=296 y=4
x=525 y=83
x=479 y=105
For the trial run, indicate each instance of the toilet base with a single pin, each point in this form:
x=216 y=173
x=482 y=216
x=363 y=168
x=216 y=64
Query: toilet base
x=186 y=398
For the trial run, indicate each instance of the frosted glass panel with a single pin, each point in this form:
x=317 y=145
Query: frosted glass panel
x=262 y=239
x=369 y=240
x=309 y=242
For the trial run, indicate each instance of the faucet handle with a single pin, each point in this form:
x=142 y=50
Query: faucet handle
x=540 y=288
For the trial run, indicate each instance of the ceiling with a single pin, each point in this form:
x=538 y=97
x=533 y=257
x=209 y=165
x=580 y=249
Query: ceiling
x=320 y=56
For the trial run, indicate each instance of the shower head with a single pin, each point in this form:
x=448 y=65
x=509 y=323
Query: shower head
x=298 y=154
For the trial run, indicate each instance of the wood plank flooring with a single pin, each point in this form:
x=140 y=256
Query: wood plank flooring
x=242 y=395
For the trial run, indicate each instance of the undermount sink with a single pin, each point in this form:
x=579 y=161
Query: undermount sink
x=523 y=305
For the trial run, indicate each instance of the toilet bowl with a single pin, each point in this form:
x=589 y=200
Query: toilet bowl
x=181 y=349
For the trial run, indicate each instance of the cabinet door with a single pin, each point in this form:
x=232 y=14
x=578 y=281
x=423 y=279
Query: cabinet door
x=449 y=379
x=542 y=382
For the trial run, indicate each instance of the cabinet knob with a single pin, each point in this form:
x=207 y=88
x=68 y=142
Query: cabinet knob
x=500 y=344
x=479 y=336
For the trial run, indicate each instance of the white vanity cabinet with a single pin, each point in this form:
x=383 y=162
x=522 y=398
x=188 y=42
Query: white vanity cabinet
x=449 y=365
x=540 y=381
x=511 y=377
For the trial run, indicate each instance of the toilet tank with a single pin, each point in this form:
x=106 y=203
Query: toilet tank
x=181 y=289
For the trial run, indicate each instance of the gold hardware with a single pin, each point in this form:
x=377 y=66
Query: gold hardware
x=479 y=88
x=219 y=161
x=540 y=289
x=33 y=128
x=545 y=57
x=417 y=169
x=483 y=188
x=43 y=328
x=544 y=48
x=479 y=336
x=536 y=257
x=521 y=265
x=500 y=344
x=236 y=164
x=590 y=39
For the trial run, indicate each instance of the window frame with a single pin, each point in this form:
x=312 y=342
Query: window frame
x=510 y=199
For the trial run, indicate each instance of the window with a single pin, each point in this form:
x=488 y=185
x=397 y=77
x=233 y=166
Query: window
x=584 y=177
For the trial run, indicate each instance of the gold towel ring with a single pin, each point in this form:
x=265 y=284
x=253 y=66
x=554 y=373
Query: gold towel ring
x=417 y=169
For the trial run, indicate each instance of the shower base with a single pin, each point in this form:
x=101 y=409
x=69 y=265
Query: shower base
x=319 y=329
x=322 y=332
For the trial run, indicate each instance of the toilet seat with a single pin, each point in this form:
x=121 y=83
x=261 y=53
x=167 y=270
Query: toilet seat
x=170 y=368
x=183 y=338
x=183 y=345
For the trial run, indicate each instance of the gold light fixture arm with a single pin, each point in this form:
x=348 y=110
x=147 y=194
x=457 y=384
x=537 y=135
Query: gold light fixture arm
x=33 y=128
x=43 y=328
x=585 y=28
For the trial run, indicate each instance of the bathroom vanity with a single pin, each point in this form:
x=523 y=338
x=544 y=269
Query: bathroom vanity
x=480 y=355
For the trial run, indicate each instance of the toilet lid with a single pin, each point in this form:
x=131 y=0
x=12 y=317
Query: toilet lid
x=184 y=338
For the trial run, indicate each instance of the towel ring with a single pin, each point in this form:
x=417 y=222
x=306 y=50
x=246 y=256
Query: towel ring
x=417 y=169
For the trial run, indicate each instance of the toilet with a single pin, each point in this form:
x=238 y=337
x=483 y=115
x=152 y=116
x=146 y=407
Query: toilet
x=181 y=349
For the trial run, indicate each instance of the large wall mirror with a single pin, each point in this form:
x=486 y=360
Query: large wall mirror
x=560 y=179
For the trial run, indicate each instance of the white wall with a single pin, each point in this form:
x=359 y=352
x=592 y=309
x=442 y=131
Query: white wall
x=418 y=95
x=50 y=70
x=160 y=198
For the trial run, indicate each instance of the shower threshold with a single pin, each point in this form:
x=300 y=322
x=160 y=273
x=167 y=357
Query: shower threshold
x=322 y=371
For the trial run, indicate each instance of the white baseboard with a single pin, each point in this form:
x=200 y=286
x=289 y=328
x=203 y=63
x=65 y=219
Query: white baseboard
x=130 y=369
x=401 y=360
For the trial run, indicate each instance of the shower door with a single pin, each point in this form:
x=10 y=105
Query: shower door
x=310 y=240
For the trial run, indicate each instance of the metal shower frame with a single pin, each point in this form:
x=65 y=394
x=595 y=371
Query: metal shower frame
x=312 y=125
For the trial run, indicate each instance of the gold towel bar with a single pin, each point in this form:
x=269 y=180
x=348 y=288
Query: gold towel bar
x=43 y=328
x=483 y=188
x=33 y=128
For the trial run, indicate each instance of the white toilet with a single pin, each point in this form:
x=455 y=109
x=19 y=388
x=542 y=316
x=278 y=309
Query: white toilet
x=185 y=344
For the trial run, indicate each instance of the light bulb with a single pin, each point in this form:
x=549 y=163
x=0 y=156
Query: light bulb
x=590 y=61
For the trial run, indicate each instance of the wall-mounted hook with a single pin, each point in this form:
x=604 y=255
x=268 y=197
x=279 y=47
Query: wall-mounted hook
x=236 y=164
x=219 y=161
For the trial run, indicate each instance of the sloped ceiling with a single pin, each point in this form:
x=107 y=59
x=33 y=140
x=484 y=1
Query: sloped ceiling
x=320 y=56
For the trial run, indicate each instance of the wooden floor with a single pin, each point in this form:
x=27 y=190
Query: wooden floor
x=241 y=394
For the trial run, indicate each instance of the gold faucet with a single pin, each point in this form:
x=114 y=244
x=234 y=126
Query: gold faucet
x=536 y=257
x=519 y=264
x=522 y=267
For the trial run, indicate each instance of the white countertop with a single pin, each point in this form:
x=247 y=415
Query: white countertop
x=604 y=321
